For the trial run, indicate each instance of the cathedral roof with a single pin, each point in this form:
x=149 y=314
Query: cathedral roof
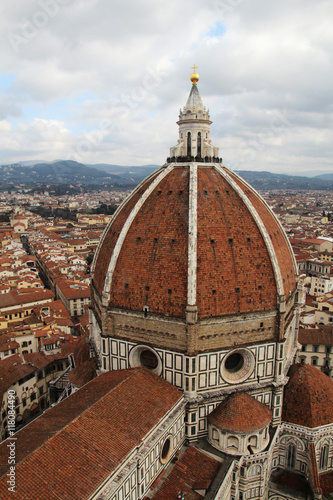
x=194 y=471
x=87 y=435
x=240 y=412
x=308 y=397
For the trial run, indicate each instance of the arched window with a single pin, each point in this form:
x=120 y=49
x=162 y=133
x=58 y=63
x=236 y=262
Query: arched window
x=232 y=443
x=189 y=145
x=255 y=470
x=291 y=456
x=199 y=144
x=323 y=457
x=252 y=443
x=215 y=435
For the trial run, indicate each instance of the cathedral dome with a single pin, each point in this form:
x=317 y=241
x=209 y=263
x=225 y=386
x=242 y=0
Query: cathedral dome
x=220 y=230
x=195 y=243
x=308 y=397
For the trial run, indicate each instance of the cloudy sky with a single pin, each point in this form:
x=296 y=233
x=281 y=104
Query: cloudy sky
x=102 y=81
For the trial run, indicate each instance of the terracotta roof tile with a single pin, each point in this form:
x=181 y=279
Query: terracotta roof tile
x=83 y=373
x=111 y=235
x=72 y=289
x=240 y=412
x=277 y=236
x=326 y=482
x=308 y=397
x=82 y=351
x=11 y=344
x=99 y=424
x=39 y=359
x=317 y=336
x=194 y=470
x=232 y=257
x=153 y=258
x=234 y=268
x=35 y=295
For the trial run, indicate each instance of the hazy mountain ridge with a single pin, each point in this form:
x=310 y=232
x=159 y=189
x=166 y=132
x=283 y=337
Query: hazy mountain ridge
x=327 y=177
x=72 y=172
x=58 y=172
x=267 y=180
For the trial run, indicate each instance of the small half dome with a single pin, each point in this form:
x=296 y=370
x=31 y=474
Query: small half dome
x=239 y=425
x=308 y=397
x=240 y=413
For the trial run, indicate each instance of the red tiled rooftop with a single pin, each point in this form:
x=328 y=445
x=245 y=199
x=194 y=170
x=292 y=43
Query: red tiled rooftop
x=240 y=412
x=50 y=340
x=38 y=359
x=308 y=397
x=82 y=351
x=326 y=482
x=15 y=298
x=83 y=373
x=12 y=344
x=112 y=232
x=317 y=336
x=73 y=290
x=193 y=471
x=99 y=424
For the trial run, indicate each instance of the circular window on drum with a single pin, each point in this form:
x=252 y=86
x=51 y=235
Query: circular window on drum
x=145 y=356
x=237 y=366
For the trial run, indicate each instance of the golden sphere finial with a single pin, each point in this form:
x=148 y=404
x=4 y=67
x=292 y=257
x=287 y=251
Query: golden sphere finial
x=194 y=76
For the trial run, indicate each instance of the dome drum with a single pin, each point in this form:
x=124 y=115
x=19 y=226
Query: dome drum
x=202 y=336
x=238 y=443
x=143 y=355
x=154 y=330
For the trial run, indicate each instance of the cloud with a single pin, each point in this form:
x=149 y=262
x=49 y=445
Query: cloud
x=39 y=138
x=105 y=80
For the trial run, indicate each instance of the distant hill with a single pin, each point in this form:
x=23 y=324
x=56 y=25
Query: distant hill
x=72 y=172
x=325 y=177
x=59 y=172
x=135 y=174
x=267 y=180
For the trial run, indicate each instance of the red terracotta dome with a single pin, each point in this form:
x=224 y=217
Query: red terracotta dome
x=308 y=397
x=194 y=235
x=240 y=412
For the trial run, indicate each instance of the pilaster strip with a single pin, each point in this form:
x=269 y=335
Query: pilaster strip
x=127 y=225
x=192 y=236
x=261 y=227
